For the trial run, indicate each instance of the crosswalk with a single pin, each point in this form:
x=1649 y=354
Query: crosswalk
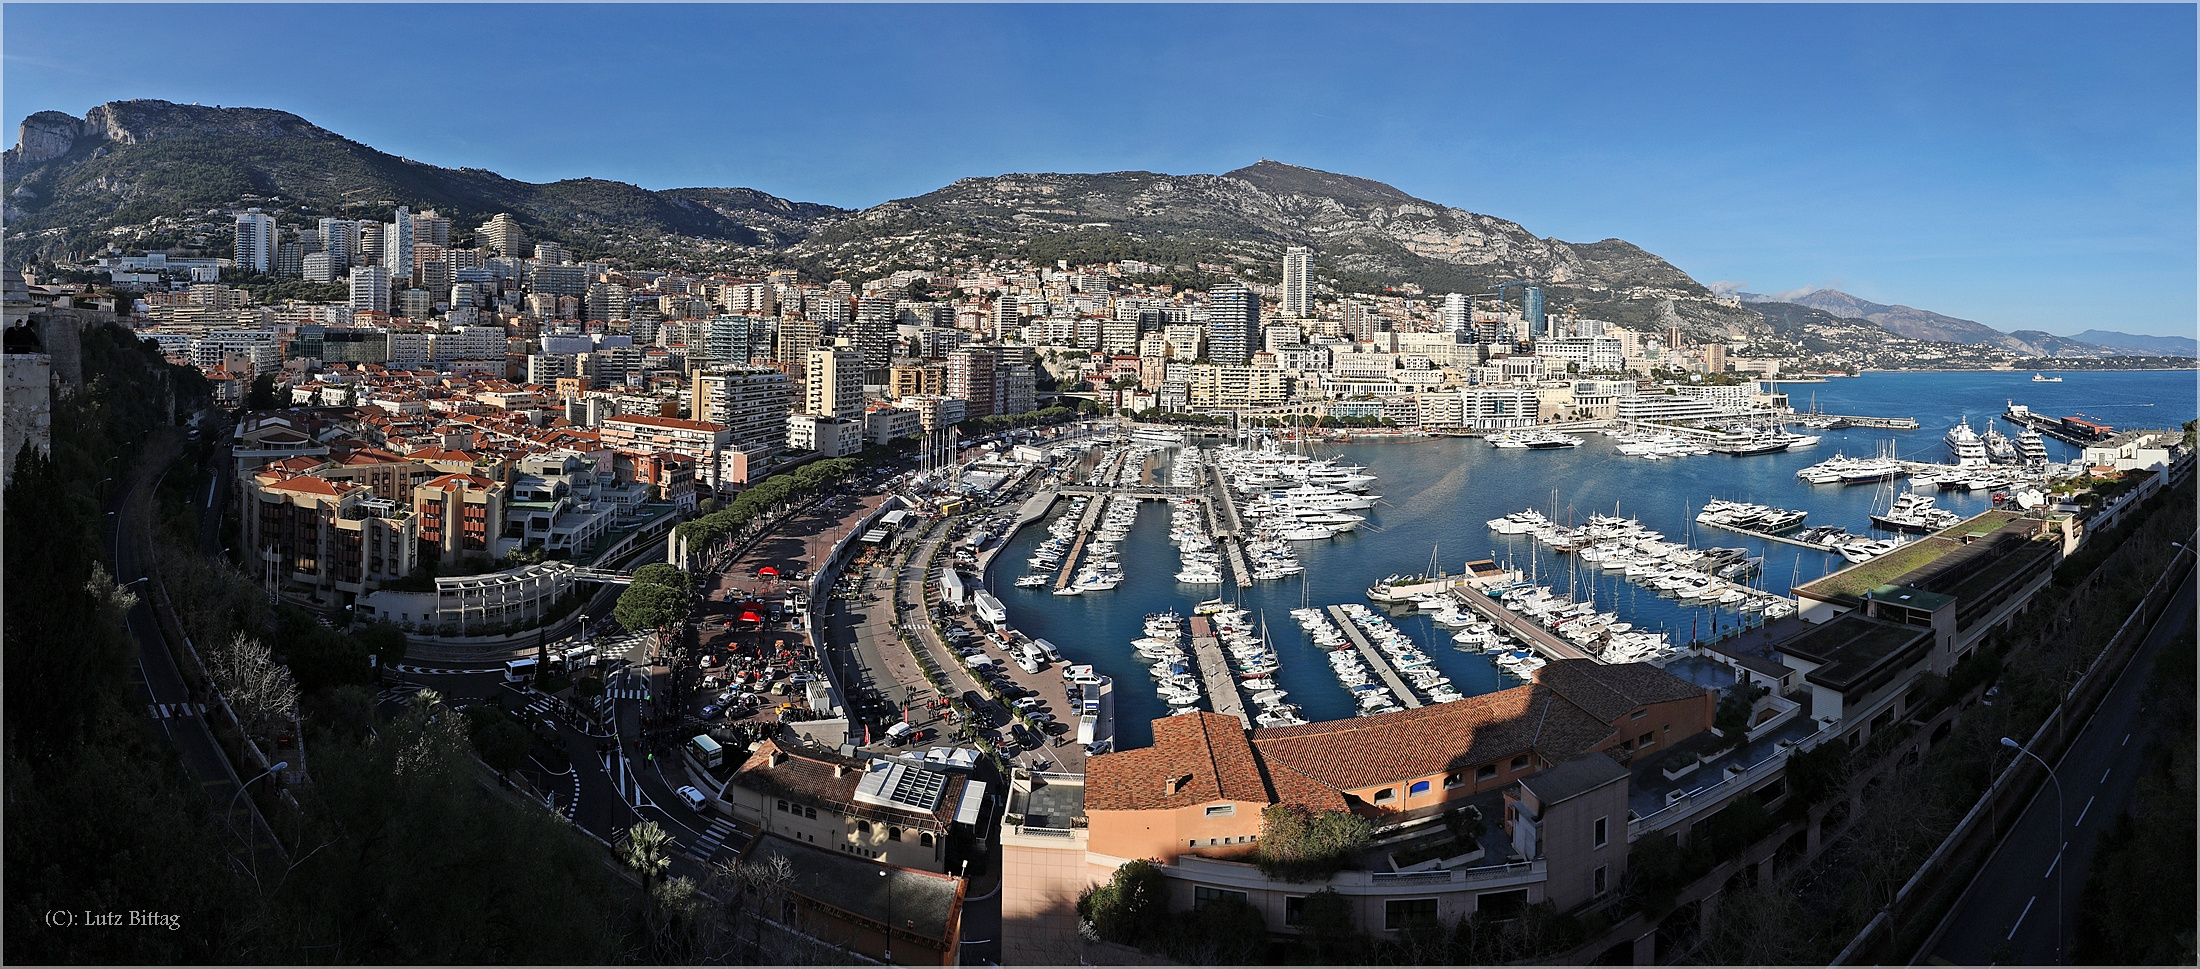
x=173 y=711
x=438 y=671
x=397 y=692
x=541 y=706
x=722 y=834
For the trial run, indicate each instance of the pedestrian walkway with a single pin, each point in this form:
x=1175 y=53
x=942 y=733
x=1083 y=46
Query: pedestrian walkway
x=721 y=834
x=172 y=711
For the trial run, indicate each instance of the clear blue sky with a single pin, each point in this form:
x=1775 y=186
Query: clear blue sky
x=2027 y=166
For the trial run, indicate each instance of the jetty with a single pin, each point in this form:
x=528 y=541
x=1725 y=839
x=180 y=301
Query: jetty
x=1214 y=670
x=1375 y=659
x=1544 y=641
x=1768 y=536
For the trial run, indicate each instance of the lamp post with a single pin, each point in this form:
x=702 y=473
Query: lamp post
x=2059 y=842
x=272 y=768
x=886 y=953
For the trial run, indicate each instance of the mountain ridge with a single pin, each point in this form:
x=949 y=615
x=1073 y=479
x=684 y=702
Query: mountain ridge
x=1926 y=325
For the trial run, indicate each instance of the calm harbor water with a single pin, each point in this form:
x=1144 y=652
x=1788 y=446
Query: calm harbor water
x=1439 y=493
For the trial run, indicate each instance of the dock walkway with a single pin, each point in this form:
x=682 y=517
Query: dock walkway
x=1375 y=659
x=1768 y=536
x=1214 y=670
x=1544 y=641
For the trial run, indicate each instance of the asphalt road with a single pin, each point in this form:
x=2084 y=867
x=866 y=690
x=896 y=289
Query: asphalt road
x=175 y=712
x=2010 y=913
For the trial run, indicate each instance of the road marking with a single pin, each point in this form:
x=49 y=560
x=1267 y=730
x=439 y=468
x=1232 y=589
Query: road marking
x=2051 y=865
x=2020 y=917
x=2127 y=741
x=2104 y=776
x=2081 y=813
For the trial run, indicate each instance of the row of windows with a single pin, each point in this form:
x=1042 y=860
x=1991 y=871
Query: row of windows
x=1239 y=839
x=893 y=832
x=1452 y=780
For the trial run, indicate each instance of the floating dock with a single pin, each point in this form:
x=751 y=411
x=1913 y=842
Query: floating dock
x=1375 y=659
x=1768 y=536
x=1519 y=626
x=1214 y=670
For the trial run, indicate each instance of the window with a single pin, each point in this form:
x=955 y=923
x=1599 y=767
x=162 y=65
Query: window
x=1401 y=913
x=1419 y=788
x=862 y=826
x=1452 y=780
x=1502 y=905
x=1221 y=810
x=925 y=839
x=1600 y=886
x=1386 y=794
x=1485 y=772
x=893 y=833
x=1201 y=895
x=1520 y=763
x=1294 y=910
x=1646 y=739
x=1597 y=834
x=1639 y=714
x=782 y=805
x=810 y=813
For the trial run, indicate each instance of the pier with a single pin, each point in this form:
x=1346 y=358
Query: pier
x=2050 y=427
x=1891 y=423
x=1222 y=691
x=1544 y=641
x=1768 y=536
x=1375 y=659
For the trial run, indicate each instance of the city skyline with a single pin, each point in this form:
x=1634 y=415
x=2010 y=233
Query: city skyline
x=2027 y=168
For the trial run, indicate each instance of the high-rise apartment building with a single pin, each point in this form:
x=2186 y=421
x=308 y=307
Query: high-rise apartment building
x=1531 y=310
x=1298 y=293
x=503 y=235
x=370 y=289
x=874 y=330
x=340 y=239
x=750 y=402
x=1233 y=324
x=833 y=383
x=397 y=246
x=1458 y=313
x=970 y=379
x=256 y=240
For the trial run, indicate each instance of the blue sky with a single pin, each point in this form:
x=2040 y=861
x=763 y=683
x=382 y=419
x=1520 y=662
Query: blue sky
x=2027 y=166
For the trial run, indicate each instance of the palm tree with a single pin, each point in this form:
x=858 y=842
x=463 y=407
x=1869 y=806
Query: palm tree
x=648 y=851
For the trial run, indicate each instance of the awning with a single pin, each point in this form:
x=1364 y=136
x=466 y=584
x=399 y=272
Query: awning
x=874 y=536
x=973 y=803
x=751 y=617
x=767 y=570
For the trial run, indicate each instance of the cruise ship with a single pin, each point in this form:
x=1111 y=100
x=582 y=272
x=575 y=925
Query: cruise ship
x=1969 y=450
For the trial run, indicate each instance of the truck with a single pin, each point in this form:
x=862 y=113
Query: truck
x=706 y=751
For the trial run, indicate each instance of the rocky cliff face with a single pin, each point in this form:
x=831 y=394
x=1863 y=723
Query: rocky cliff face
x=48 y=135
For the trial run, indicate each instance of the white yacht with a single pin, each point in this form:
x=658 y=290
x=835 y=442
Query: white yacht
x=1969 y=450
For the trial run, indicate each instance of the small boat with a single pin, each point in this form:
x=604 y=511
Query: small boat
x=2039 y=379
x=1031 y=582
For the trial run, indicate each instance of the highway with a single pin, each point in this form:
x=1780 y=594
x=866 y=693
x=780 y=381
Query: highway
x=2009 y=914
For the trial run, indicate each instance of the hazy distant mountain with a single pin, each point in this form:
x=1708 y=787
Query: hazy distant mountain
x=1926 y=325
x=2177 y=346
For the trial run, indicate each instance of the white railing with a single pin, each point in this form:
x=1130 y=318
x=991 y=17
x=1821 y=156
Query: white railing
x=1716 y=795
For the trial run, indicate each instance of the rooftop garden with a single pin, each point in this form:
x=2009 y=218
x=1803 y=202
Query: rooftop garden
x=1853 y=582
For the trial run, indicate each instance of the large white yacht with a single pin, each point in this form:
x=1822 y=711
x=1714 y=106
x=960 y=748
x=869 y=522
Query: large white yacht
x=1968 y=448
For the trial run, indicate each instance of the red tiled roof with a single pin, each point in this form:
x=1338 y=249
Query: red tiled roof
x=1363 y=752
x=306 y=484
x=1609 y=692
x=1206 y=752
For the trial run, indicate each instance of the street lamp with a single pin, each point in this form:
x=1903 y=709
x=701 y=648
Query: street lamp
x=272 y=768
x=2060 y=844
x=886 y=953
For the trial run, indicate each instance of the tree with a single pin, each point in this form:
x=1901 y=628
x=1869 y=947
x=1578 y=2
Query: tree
x=1327 y=930
x=262 y=395
x=660 y=573
x=383 y=641
x=1300 y=845
x=650 y=606
x=500 y=740
x=1130 y=907
x=647 y=851
x=260 y=692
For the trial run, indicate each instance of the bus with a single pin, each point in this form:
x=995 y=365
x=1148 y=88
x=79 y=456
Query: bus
x=520 y=670
x=706 y=751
